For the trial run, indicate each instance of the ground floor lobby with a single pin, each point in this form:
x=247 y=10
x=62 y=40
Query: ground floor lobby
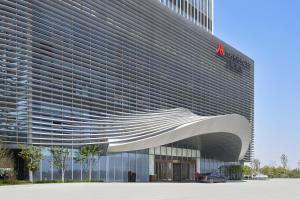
x=159 y=164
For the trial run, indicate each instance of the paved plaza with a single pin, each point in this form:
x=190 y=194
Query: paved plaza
x=276 y=189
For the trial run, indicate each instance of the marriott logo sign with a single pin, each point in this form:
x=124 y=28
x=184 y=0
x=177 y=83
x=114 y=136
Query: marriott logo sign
x=220 y=50
x=233 y=62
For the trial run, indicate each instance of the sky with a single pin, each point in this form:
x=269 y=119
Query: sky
x=268 y=31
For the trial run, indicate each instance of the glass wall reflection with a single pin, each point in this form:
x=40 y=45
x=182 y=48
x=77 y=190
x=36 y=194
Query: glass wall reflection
x=109 y=168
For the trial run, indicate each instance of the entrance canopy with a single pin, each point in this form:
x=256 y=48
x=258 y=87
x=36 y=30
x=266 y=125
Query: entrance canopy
x=223 y=137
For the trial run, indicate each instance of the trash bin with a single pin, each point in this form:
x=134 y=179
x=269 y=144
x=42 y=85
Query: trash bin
x=131 y=176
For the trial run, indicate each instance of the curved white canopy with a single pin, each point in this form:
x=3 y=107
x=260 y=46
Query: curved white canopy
x=193 y=126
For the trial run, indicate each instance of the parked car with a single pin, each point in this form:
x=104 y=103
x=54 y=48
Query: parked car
x=213 y=177
x=260 y=176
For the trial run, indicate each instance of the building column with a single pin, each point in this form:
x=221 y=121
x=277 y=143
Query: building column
x=151 y=162
x=151 y=165
x=198 y=161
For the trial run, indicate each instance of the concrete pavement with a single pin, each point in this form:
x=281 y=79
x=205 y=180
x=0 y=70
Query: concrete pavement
x=276 y=189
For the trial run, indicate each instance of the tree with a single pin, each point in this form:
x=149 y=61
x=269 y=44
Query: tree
x=80 y=158
x=284 y=161
x=32 y=156
x=279 y=172
x=60 y=158
x=246 y=170
x=267 y=170
x=235 y=172
x=6 y=162
x=299 y=165
x=89 y=153
x=256 y=165
x=6 y=157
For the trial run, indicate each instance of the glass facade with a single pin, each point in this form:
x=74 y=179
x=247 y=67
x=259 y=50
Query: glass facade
x=66 y=67
x=165 y=163
x=200 y=12
x=109 y=168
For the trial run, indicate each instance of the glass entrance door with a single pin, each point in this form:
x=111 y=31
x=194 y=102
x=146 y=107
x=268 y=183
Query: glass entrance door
x=176 y=172
x=164 y=170
x=185 y=171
